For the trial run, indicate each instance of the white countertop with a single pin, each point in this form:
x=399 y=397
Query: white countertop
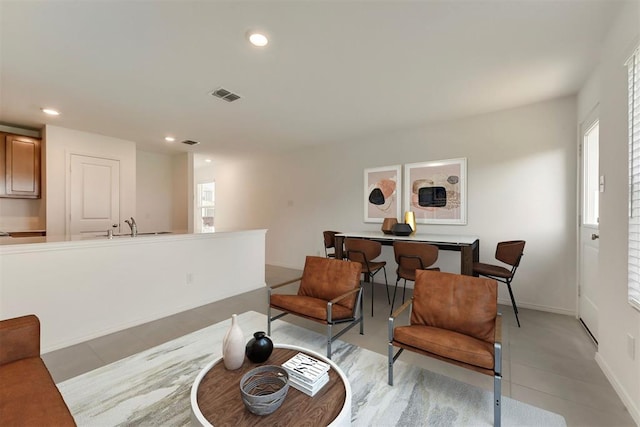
x=33 y=244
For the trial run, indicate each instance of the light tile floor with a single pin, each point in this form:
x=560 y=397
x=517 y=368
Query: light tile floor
x=548 y=362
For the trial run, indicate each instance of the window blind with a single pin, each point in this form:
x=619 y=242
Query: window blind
x=634 y=179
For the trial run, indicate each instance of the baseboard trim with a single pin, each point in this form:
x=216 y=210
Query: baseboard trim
x=546 y=308
x=633 y=409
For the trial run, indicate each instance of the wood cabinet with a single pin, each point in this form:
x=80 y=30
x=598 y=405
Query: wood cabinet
x=19 y=166
x=35 y=233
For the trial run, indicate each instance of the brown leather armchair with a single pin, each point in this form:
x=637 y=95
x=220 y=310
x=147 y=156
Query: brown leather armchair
x=454 y=318
x=329 y=293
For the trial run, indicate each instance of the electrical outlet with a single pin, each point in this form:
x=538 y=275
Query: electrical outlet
x=631 y=346
x=189 y=278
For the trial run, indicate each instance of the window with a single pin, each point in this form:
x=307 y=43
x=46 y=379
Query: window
x=590 y=154
x=205 y=207
x=634 y=179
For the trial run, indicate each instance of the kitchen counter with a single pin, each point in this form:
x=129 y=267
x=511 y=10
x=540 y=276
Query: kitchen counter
x=83 y=288
x=4 y=241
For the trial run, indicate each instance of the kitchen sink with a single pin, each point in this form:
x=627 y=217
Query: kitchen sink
x=148 y=233
x=152 y=233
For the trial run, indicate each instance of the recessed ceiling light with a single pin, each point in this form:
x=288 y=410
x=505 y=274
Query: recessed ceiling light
x=258 y=39
x=50 y=111
x=207 y=160
x=169 y=138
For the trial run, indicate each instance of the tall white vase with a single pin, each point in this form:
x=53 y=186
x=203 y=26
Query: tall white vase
x=233 y=346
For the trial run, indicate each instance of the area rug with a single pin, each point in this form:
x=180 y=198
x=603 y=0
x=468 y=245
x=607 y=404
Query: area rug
x=152 y=388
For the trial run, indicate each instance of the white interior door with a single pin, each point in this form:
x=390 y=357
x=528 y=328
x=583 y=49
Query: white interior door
x=94 y=194
x=589 y=283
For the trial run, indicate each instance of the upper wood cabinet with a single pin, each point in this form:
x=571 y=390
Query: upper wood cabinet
x=20 y=159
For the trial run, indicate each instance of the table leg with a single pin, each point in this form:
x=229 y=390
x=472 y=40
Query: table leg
x=469 y=255
x=339 y=242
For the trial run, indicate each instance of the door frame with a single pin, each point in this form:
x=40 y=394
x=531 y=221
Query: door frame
x=589 y=120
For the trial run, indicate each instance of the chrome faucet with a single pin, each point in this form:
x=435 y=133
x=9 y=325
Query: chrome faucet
x=133 y=226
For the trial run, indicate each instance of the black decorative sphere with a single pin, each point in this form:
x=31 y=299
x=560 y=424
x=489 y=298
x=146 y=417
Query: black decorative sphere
x=259 y=347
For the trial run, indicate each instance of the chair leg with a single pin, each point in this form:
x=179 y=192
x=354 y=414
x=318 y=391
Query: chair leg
x=497 y=397
x=390 y=364
x=329 y=341
x=269 y=320
x=386 y=284
x=371 y=297
x=361 y=313
x=404 y=290
x=513 y=302
x=393 y=301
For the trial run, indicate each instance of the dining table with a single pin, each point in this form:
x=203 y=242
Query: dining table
x=467 y=245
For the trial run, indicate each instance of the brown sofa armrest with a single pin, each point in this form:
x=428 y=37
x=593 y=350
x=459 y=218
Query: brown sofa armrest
x=19 y=338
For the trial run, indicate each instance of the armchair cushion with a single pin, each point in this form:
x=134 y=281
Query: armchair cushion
x=324 y=279
x=447 y=344
x=469 y=307
x=29 y=396
x=310 y=307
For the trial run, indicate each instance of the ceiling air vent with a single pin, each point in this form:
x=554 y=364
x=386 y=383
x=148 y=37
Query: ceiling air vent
x=228 y=96
x=190 y=142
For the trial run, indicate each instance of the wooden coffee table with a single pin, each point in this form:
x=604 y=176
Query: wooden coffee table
x=216 y=400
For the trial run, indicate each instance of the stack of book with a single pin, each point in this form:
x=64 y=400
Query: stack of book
x=306 y=373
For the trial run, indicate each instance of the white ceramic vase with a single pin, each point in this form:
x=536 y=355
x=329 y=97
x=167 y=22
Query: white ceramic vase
x=233 y=346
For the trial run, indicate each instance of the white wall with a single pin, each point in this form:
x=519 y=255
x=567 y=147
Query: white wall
x=521 y=185
x=608 y=87
x=181 y=189
x=61 y=143
x=21 y=214
x=154 y=192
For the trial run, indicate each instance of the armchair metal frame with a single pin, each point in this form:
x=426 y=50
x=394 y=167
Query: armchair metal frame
x=357 y=319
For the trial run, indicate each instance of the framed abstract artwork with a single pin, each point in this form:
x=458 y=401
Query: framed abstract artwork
x=382 y=193
x=437 y=191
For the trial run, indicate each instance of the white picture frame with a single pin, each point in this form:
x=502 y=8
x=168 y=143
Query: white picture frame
x=382 y=193
x=436 y=191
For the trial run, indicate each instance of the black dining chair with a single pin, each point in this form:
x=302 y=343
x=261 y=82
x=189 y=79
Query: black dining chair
x=329 y=243
x=365 y=251
x=510 y=253
x=412 y=256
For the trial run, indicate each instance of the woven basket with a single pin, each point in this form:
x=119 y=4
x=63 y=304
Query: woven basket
x=264 y=388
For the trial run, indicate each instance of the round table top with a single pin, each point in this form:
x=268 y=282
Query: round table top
x=216 y=399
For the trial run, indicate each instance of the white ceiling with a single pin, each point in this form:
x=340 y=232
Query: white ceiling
x=333 y=72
